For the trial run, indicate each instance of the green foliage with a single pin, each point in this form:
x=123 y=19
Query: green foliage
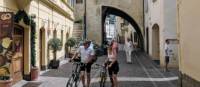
x=21 y=14
x=55 y=44
x=33 y=42
x=71 y=42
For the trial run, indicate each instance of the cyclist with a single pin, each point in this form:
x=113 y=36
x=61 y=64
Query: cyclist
x=87 y=54
x=112 y=65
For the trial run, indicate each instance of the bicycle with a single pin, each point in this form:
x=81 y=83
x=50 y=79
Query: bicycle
x=75 y=77
x=103 y=75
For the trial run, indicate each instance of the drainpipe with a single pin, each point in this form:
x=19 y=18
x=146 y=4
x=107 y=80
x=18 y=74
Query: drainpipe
x=85 y=22
x=143 y=45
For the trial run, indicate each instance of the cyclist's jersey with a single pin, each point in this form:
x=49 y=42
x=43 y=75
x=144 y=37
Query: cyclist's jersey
x=85 y=53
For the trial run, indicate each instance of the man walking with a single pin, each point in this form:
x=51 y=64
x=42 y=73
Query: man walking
x=167 y=54
x=129 y=49
x=87 y=54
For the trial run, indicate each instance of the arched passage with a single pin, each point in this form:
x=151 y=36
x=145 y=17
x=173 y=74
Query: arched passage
x=107 y=10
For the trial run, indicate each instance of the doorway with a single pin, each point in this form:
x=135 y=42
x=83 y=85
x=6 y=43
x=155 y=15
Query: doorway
x=147 y=40
x=41 y=46
x=155 y=42
x=18 y=57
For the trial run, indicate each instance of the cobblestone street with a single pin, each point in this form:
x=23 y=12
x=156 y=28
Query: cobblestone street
x=141 y=73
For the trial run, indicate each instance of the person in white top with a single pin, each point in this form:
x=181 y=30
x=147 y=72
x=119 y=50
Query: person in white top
x=167 y=54
x=112 y=65
x=129 y=49
x=86 y=58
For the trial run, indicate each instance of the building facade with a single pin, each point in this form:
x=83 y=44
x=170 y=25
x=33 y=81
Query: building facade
x=51 y=18
x=95 y=15
x=125 y=31
x=160 y=25
x=188 y=34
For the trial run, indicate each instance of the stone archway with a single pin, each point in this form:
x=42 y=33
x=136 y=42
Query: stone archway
x=94 y=16
x=107 y=10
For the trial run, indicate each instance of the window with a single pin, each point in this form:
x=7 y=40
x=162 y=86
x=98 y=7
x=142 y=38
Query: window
x=79 y=1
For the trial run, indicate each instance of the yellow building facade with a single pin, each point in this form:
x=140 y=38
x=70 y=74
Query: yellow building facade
x=188 y=34
x=52 y=17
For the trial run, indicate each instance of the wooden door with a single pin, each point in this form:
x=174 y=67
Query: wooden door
x=156 y=42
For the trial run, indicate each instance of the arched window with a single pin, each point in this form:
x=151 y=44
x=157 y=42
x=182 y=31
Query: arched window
x=155 y=26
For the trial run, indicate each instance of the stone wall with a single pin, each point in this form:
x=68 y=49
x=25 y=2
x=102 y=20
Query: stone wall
x=134 y=8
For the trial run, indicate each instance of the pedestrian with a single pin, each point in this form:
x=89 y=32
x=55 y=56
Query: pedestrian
x=91 y=45
x=167 y=54
x=114 y=45
x=87 y=55
x=129 y=49
x=113 y=66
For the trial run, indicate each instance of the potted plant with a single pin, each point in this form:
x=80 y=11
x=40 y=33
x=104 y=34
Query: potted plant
x=34 y=68
x=5 y=78
x=55 y=45
x=71 y=42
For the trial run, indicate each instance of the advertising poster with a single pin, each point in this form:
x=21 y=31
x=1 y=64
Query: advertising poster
x=6 y=30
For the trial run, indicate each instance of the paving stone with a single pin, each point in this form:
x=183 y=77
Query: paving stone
x=143 y=72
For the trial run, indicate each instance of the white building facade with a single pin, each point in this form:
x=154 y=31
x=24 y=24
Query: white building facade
x=160 y=24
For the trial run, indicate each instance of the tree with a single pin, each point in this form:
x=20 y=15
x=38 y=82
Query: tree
x=71 y=42
x=55 y=44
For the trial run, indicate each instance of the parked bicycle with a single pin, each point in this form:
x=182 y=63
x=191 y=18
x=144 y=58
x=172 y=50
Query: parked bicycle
x=103 y=75
x=74 y=79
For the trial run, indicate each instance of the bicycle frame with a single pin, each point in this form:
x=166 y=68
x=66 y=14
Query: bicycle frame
x=74 y=78
x=103 y=75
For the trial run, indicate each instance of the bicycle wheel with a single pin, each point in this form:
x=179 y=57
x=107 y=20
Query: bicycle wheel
x=101 y=82
x=76 y=83
x=71 y=82
x=104 y=77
